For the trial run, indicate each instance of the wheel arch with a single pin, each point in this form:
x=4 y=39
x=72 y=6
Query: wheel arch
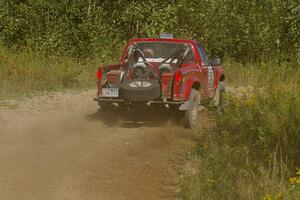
x=219 y=75
x=196 y=85
x=222 y=77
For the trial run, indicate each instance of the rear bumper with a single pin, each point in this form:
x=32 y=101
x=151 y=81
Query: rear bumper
x=117 y=100
x=112 y=100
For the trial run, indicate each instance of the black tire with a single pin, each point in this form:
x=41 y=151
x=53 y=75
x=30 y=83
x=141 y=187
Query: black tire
x=140 y=90
x=191 y=115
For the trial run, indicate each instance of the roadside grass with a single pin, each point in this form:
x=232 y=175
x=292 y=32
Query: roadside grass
x=27 y=73
x=254 y=148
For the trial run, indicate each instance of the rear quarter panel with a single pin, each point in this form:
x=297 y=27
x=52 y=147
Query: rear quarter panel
x=191 y=75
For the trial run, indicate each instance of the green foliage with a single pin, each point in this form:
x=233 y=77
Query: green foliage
x=226 y=170
x=254 y=148
x=267 y=120
x=75 y=28
x=268 y=115
x=243 y=30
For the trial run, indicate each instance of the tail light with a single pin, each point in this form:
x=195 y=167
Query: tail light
x=99 y=74
x=99 y=84
x=178 y=77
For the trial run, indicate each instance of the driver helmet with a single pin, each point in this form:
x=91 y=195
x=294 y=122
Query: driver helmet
x=148 y=53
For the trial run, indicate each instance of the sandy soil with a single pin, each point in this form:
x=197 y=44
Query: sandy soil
x=60 y=147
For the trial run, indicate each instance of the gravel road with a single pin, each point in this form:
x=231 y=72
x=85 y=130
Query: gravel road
x=60 y=147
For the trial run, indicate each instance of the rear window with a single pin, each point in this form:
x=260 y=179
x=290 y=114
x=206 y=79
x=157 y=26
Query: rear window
x=159 y=51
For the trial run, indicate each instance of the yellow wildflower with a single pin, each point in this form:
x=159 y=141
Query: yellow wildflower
x=268 y=197
x=298 y=172
x=278 y=196
x=295 y=180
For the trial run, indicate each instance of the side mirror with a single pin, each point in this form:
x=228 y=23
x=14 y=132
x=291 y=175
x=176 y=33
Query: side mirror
x=215 y=61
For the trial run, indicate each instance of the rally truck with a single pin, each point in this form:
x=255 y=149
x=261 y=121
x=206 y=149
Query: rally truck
x=173 y=73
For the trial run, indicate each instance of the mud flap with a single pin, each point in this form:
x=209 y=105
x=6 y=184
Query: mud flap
x=187 y=104
x=217 y=100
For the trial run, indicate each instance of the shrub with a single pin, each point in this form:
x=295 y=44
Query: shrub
x=254 y=147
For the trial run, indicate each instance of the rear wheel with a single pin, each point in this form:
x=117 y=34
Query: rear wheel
x=191 y=115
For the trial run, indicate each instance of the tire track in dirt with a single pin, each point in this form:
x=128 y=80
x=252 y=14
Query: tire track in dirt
x=59 y=147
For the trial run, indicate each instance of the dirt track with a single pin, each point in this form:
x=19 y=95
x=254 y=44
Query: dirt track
x=59 y=147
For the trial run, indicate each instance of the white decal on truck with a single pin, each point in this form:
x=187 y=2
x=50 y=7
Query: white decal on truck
x=157 y=60
x=211 y=77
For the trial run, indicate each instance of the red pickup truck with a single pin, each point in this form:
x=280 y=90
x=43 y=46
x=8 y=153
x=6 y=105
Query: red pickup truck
x=174 y=73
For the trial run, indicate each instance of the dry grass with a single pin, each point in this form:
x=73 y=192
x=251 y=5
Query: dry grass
x=26 y=73
x=254 y=148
